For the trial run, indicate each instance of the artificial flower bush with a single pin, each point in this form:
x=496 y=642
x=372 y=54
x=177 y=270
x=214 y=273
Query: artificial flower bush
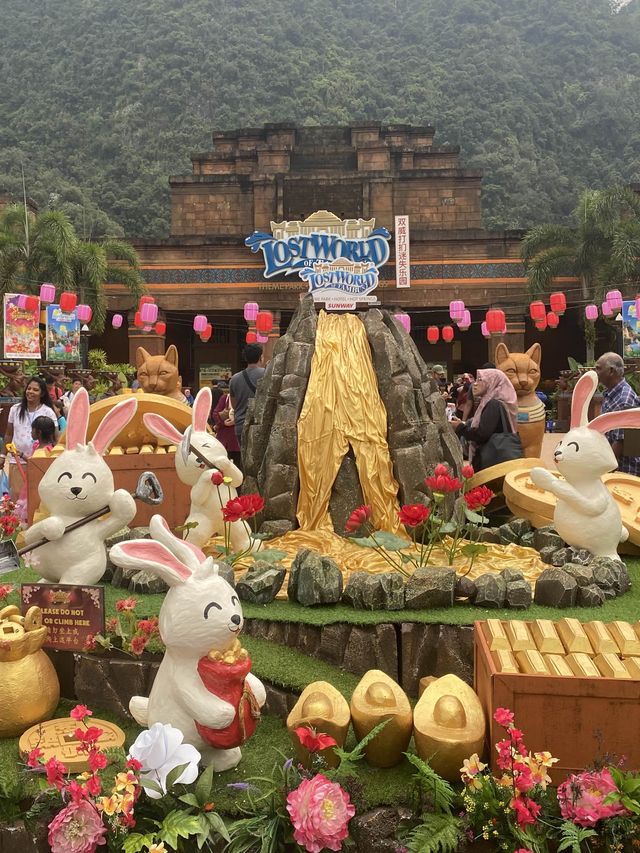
x=431 y=524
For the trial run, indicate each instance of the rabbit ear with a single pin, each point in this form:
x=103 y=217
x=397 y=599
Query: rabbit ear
x=201 y=410
x=152 y=557
x=184 y=550
x=78 y=419
x=113 y=423
x=629 y=418
x=161 y=428
x=582 y=394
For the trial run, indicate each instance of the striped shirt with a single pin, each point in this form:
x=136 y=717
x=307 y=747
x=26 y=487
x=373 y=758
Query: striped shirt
x=622 y=396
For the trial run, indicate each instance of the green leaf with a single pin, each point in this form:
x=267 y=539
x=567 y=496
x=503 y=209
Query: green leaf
x=262 y=536
x=358 y=751
x=363 y=541
x=151 y=785
x=440 y=791
x=178 y=824
x=474 y=517
x=270 y=555
x=190 y=800
x=135 y=842
x=438 y=833
x=217 y=824
x=448 y=527
x=204 y=786
x=472 y=549
x=572 y=836
x=174 y=775
x=391 y=542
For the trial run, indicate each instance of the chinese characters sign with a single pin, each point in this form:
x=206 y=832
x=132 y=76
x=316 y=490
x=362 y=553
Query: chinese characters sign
x=403 y=257
x=70 y=612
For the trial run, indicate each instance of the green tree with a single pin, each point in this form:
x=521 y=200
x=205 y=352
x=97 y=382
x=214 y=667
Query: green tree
x=601 y=247
x=47 y=248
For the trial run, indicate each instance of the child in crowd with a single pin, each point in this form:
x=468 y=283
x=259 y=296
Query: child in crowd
x=43 y=432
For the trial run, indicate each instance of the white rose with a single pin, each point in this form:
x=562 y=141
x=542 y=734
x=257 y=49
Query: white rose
x=160 y=749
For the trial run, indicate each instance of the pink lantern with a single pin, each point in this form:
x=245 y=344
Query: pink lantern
x=146 y=327
x=485 y=331
x=262 y=339
x=614 y=298
x=251 y=311
x=404 y=320
x=447 y=334
x=22 y=301
x=47 y=292
x=199 y=323
x=456 y=309
x=607 y=310
x=149 y=313
x=591 y=312
x=464 y=324
x=84 y=313
x=116 y=321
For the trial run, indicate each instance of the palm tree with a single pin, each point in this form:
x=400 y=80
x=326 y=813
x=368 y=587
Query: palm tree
x=602 y=248
x=47 y=248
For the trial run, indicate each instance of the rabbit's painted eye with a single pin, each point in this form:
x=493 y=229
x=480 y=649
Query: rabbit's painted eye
x=234 y=600
x=89 y=474
x=209 y=606
x=64 y=474
x=575 y=444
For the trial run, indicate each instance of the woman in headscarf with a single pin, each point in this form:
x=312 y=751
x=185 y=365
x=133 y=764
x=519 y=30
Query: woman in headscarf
x=496 y=412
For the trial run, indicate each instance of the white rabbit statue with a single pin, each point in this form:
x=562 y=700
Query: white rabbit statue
x=586 y=515
x=76 y=484
x=203 y=686
x=207 y=500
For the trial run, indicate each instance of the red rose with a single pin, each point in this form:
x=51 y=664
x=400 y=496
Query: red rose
x=412 y=515
x=443 y=483
x=80 y=712
x=467 y=471
x=242 y=508
x=217 y=479
x=478 y=497
x=312 y=741
x=441 y=470
x=357 y=518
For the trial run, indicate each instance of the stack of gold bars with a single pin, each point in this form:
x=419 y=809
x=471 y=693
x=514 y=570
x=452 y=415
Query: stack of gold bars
x=568 y=648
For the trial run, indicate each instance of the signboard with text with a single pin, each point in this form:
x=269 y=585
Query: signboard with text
x=630 y=330
x=63 y=335
x=71 y=613
x=338 y=259
x=21 y=328
x=403 y=255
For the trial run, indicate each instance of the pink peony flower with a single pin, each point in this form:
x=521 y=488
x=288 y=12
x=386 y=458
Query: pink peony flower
x=76 y=829
x=320 y=813
x=503 y=717
x=80 y=712
x=582 y=798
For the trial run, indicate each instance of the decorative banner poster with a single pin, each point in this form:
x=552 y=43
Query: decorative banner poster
x=21 y=329
x=339 y=259
x=63 y=335
x=403 y=256
x=71 y=613
x=630 y=330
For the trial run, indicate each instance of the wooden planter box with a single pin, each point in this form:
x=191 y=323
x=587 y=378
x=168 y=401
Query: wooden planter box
x=126 y=471
x=578 y=720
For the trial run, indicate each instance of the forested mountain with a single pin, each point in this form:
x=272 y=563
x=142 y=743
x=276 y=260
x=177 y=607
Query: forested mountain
x=103 y=99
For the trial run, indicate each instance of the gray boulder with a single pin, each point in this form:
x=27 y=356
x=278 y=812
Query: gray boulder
x=511 y=575
x=556 y=588
x=429 y=587
x=518 y=595
x=590 y=596
x=489 y=535
x=276 y=527
x=314 y=579
x=582 y=574
x=491 y=591
x=465 y=588
x=261 y=583
x=375 y=592
x=610 y=573
x=546 y=537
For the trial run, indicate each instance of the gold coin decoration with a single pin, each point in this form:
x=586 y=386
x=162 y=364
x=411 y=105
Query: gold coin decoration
x=56 y=739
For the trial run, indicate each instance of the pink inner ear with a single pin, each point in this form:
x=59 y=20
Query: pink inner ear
x=582 y=394
x=161 y=428
x=113 y=423
x=78 y=419
x=193 y=548
x=201 y=410
x=629 y=418
x=154 y=552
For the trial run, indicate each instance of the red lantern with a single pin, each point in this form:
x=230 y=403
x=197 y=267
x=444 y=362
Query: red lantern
x=68 y=302
x=206 y=335
x=31 y=303
x=160 y=328
x=137 y=320
x=433 y=334
x=558 y=302
x=447 y=334
x=552 y=320
x=146 y=300
x=496 y=322
x=251 y=338
x=537 y=310
x=541 y=325
x=264 y=322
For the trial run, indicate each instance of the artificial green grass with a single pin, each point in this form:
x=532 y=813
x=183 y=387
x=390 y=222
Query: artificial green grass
x=625 y=608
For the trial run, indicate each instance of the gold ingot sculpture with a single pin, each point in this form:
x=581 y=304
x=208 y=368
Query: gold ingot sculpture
x=531 y=662
x=546 y=637
x=601 y=640
x=377 y=697
x=497 y=639
x=324 y=709
x=582 y=665
x=520 y=636
x=557 y=665
x=573 y=636
x=504 y=661
x=625 y=638
x=610 y=666
x=448 y=725
x=30 y=686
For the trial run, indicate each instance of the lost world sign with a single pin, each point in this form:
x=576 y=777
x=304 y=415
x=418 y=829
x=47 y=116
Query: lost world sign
x=339 y=259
